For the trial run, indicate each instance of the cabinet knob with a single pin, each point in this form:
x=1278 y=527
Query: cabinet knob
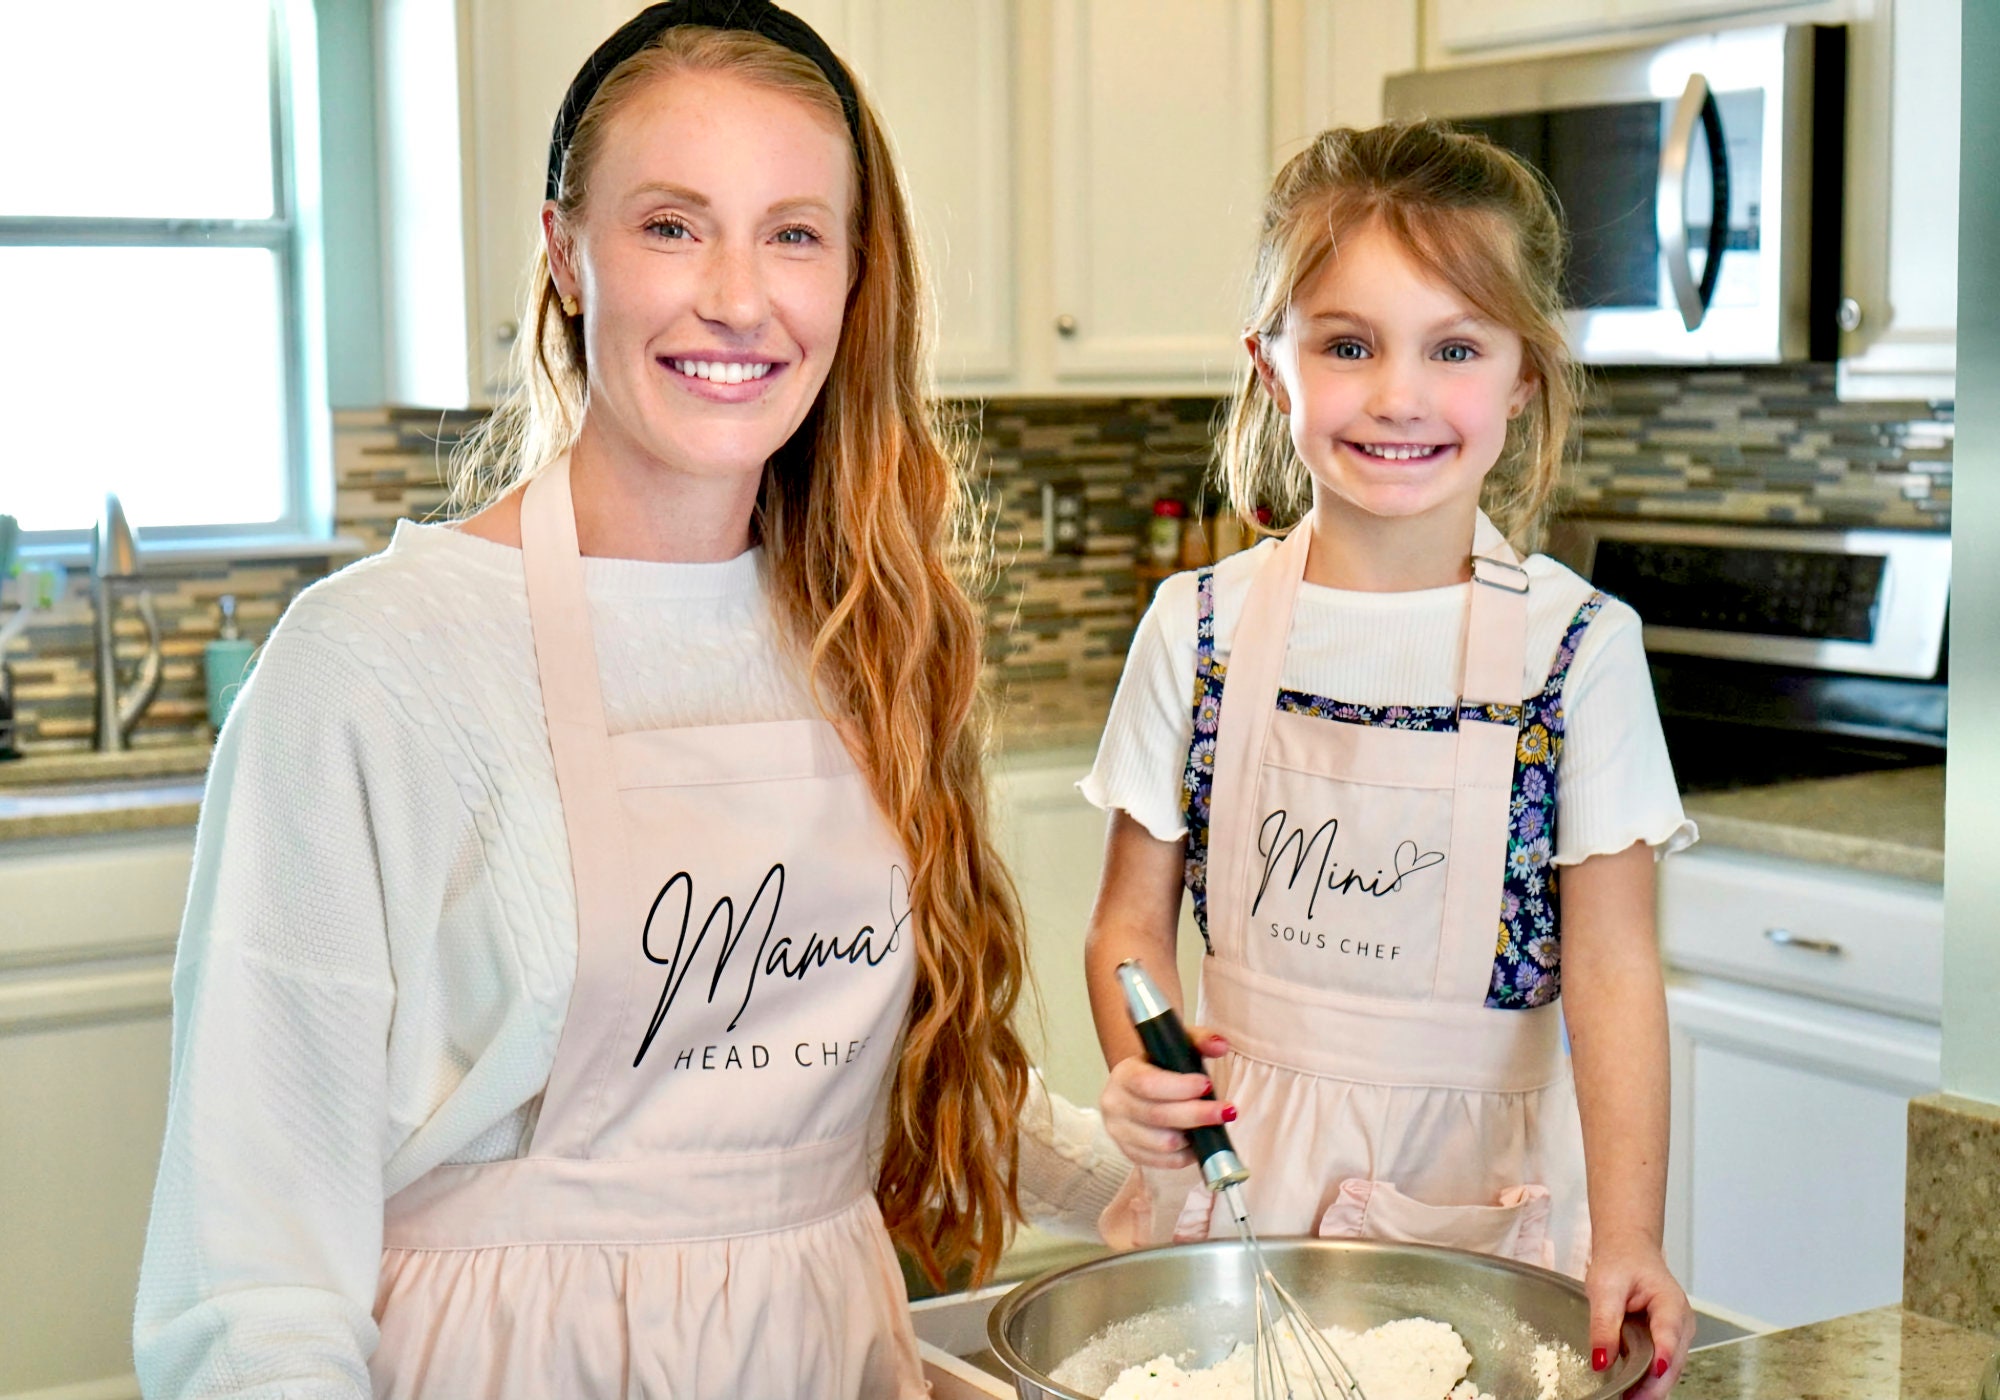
x=507 y=332
x=1065 y=325
x=1848 y=315
x=1785 y=938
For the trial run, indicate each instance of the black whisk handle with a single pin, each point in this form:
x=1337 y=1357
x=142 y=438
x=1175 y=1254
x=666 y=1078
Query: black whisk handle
x=1167 y=1045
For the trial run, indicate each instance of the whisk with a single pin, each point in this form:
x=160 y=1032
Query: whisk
x=1309 y=1368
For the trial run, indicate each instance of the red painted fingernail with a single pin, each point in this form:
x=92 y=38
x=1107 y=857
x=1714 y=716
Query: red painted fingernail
x=1229 y=1113
x=1599 y=1358
x=1660 y=1366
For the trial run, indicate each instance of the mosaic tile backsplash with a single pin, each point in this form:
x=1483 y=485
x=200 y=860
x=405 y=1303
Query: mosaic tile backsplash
x=1752 y=445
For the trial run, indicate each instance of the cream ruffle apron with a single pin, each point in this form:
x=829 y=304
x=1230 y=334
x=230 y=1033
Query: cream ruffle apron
x=1354 y=888
x=695 y=1214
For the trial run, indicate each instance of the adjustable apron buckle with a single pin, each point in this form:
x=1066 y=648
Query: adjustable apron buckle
x=1498 y=573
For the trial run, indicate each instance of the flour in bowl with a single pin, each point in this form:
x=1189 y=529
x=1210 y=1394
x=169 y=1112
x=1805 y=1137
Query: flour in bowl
x=1414 y=1358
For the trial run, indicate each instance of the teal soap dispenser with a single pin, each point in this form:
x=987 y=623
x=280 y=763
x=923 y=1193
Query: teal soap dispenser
x=225 y=663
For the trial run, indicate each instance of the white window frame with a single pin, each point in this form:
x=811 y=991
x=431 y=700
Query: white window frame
x=293 y=234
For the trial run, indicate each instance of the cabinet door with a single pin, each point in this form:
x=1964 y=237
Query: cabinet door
x=1787 y=1167
x=1053 y=842
x=1346 y=48
x=1160 y=158
x=940 y=76
x=518 y=60
x=87 y=930
x=1901 y=227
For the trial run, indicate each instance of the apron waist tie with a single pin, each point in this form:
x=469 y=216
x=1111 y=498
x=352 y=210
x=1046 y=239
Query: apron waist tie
x=664 y=1197
x=1379 y=1040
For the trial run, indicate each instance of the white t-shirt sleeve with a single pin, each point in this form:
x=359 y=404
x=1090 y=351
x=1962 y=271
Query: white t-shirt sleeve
x=264 y=1245
x=1615 y=784
x=1146 y=736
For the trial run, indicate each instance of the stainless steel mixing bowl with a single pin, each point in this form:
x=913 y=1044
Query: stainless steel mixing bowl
x=1194 y=1302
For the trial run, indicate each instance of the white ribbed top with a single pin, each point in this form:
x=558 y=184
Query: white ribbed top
x=1615 y=784
x=380 y=938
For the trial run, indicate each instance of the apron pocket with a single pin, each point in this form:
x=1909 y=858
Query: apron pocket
x=1517 y=1227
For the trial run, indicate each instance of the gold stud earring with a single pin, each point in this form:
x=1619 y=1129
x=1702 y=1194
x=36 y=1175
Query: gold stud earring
x=571 y=306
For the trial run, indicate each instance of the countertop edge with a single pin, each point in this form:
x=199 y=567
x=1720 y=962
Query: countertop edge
x=1806 y=843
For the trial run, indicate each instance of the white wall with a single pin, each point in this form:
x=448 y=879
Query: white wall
x=1972 y=775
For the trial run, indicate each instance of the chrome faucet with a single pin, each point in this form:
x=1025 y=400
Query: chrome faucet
x=114 y=563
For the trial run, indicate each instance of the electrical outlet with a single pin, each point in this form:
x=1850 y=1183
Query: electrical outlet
x=1063 y=517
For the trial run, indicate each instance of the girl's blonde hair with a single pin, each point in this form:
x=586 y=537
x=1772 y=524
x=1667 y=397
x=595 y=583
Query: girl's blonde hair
x=860 y=515
x=1472 y=215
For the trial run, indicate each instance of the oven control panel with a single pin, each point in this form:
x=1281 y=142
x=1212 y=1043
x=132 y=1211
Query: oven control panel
x=1863 y=602
x=1765 y=592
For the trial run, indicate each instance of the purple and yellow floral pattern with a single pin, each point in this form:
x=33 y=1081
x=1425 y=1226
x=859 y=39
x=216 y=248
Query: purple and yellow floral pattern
x=1527 y=960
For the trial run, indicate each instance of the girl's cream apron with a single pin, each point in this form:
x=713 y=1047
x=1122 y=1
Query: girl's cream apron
x=1354 y=903
x=695 y=1214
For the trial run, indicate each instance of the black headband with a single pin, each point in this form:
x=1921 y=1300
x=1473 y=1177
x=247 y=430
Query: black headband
x=756 y=16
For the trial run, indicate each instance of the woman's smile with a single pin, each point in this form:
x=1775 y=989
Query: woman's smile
x=723 y=376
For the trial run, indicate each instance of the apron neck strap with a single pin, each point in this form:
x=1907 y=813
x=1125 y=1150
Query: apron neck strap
x=565 y=653
x=1496 y=624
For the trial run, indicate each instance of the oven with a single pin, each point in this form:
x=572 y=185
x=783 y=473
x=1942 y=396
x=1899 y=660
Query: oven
x=1804 y=996
x=1781 y=653
x=1699 y=182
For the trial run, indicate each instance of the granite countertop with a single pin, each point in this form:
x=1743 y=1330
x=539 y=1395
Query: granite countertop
x=1890 y=823
x=81 y=794
x=1886 y=1354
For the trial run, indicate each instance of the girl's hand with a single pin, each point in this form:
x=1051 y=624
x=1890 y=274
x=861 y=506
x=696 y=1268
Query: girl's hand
x=1631 y=1277
x=1148 y=1110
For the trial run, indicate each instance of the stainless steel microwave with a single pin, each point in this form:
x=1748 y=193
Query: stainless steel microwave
x=1699 y=182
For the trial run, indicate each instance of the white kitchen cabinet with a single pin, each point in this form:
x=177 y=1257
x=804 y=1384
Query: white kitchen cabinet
x=87 y=931
x=1086 y=175
x=1901 y=225
x=1160 y=155
x=1329 y=59
x=1053 y=842
x=1803 y=1003
x=515 y=62
x=941 y=76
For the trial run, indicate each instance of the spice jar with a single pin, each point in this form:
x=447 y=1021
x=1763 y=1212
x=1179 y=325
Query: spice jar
x=1163 y=532
x=1194 y=543
x=1228 y=532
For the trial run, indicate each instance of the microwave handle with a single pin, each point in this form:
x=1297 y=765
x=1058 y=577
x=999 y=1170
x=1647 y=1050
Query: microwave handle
x=1697 y=104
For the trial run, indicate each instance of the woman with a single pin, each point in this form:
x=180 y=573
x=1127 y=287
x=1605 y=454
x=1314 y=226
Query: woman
x=596 y=953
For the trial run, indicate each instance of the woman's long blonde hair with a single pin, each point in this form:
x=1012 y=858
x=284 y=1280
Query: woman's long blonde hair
x=859 y=515
x=1476 y=218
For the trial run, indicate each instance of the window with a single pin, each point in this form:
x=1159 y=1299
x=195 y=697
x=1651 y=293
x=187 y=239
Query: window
x=158 y=266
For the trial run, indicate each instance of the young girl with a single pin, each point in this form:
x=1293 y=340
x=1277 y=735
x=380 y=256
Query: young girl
x=595 y=939
x=1421 y=738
